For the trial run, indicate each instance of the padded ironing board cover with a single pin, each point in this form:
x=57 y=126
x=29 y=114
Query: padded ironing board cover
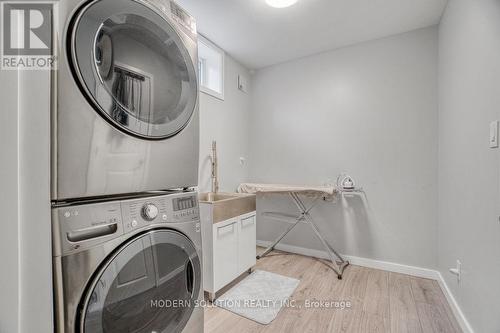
x=310 y=191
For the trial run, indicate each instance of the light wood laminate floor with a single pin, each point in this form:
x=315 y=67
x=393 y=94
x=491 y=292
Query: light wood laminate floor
x=380 y=301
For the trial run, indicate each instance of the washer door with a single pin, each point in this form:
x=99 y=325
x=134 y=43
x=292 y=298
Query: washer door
x=134 y=67
x=151 y=284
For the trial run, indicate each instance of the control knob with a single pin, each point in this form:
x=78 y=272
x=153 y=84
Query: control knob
x=149 y=212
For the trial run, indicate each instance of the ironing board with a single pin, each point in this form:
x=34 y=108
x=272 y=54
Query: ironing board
x=297 y=193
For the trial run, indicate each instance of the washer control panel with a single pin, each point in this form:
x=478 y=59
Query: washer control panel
x=174 y=208
x=82 y=226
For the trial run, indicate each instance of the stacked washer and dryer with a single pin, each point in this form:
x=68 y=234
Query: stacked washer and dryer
x=125 y=218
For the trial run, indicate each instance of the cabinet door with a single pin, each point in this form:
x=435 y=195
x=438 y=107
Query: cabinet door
x=225 y=252
x=246 y=242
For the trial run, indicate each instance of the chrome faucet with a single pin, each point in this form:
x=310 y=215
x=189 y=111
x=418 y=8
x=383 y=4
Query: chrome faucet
x=215 y=180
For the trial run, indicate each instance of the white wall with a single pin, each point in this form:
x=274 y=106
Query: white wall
x=34 y=182
x=9 y=205
x=469 y=198
x=370 y=110
x=226 y=122
x=25 y=241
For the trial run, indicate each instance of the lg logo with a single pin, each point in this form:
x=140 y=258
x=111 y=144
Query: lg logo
x=27 y=35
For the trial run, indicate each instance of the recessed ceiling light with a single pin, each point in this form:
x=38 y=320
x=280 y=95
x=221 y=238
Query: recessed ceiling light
x=281 y=3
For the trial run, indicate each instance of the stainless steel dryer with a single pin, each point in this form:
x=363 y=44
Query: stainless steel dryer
x=129 y=266
x=126 y=98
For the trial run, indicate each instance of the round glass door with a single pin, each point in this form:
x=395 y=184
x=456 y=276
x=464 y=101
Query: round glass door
x=149 y=285
x=134 y=67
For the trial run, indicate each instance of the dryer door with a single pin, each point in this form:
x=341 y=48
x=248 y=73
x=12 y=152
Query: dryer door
x=150 y=284
x=136 y=66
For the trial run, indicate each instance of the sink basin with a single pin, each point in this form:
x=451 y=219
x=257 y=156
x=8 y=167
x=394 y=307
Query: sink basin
x=212 y=197
x=228 y=205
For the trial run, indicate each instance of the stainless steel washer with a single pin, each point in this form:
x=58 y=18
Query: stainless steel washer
x=125 y=116
x=129 y=266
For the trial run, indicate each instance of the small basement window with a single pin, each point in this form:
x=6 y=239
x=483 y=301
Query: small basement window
x=211 y=68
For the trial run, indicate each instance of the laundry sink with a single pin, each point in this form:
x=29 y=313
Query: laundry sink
x=227 y=205
x=211 y=197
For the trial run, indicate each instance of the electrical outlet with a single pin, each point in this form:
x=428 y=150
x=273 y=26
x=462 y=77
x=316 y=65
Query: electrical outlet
x=494 y=134
x=242 y=83
x=457 y=271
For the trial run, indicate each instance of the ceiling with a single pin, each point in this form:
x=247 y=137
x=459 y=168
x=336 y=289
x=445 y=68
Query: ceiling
x=258 y=35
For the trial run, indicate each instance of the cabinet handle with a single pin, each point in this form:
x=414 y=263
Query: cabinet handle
x=224 y=230
x=248 y=221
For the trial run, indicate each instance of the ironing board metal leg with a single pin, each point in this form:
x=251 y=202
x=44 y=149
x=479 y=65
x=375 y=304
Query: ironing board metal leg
x=271 y=247
x=335 y=252
x=337 y=268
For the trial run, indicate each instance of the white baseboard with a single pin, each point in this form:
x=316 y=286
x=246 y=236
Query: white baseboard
x=462 y=320
x=358 y=261
x=386 y=266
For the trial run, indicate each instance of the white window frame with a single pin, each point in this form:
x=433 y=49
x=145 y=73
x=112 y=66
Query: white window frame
x=207 y=90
